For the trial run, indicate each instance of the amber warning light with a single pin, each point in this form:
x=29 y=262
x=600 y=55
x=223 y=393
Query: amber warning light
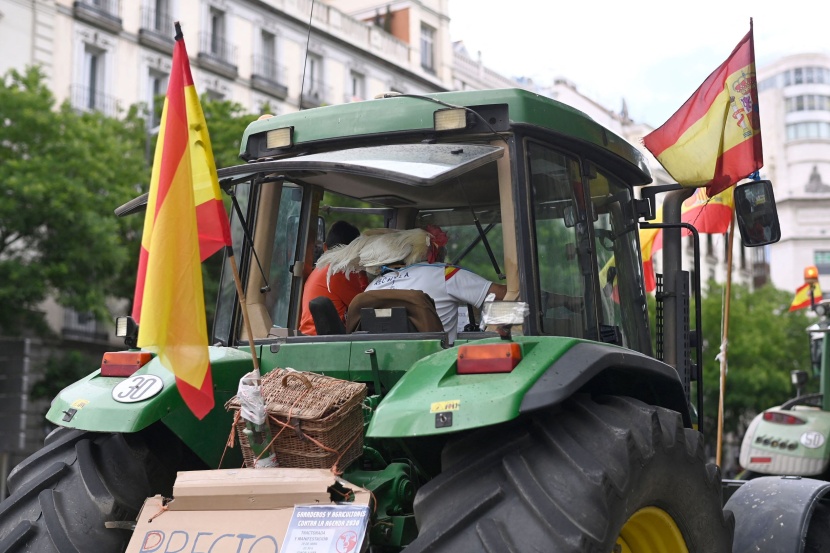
x=124 y=363
x=489 y=358
x=811 y=274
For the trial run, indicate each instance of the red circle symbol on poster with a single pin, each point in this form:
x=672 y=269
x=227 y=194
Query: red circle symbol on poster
x=346 y=542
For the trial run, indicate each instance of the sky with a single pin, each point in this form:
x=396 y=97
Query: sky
x=652 y=53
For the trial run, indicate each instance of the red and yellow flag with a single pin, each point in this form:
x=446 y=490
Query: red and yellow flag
x=185 y=223
x=802 y=296
x=714 y=139
x=708 y=215
x=648 y=246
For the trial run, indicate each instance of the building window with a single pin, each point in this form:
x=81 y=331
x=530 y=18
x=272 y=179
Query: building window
x=798 y=76
x=93 y=83
x=822 y=260
x=314 y=77
x=155 y=102
x=357 y=86
x=217 y=33
x=808 y=102
x=808 y=130
x=269 y=56
x=161 y=16
x=428 y=48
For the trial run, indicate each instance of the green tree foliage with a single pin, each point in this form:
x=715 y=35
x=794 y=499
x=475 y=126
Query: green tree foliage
x=60 y=371
x=765 y=343
x=62 y=174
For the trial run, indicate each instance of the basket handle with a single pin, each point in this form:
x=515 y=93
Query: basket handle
x=302 y=378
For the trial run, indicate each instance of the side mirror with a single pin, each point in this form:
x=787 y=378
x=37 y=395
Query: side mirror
x=757 y=214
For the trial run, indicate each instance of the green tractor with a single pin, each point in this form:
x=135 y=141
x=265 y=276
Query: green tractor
x=792 y=438
x=586 y=441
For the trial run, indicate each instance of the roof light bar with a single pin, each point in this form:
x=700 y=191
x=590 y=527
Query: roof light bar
x=449 y=119
x=279 y=138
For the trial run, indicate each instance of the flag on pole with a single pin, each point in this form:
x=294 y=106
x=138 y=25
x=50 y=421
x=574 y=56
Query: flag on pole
x=185 y=223
x=648 y=246
x=802 y=296
x=708 y=215
x=714 y=139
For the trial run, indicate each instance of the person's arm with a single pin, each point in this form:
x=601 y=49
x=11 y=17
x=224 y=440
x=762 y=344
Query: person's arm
x=499 y=290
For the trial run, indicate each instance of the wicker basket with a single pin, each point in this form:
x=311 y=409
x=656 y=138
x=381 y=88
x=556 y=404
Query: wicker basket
x=315 y=421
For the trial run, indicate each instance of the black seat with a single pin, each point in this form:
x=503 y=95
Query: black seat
x=326 y=319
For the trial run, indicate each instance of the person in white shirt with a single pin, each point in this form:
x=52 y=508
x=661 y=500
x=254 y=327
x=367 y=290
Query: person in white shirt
x=449 y=287
x=411 y=260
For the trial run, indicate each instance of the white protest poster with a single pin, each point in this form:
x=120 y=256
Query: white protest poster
x=326 y=529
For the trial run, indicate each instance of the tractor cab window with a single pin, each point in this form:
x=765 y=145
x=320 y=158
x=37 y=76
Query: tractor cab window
x=226 y=302
x=623 y=311
x=284 y=253
x=562 y=243
x=277 y=209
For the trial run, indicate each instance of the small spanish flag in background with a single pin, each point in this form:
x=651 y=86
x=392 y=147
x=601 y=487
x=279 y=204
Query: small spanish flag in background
x=714 y=139
x=802 y=296
x=185 y=223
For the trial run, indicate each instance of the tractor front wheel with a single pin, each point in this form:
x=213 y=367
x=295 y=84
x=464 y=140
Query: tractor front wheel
x=596 y=474
x=63 y=496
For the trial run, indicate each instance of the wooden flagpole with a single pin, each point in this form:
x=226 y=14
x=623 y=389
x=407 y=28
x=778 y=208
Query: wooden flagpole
x=245 y=320
x=724 y=336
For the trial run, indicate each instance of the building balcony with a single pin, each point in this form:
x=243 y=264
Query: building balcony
x=268 y=77
x=316 y=96
x=105 y=14
x=86 y=99
x=82 y=327
x=156 y=30
x=217 y=54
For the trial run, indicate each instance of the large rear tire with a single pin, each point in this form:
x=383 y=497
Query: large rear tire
x=594 y=475
x=63 y=495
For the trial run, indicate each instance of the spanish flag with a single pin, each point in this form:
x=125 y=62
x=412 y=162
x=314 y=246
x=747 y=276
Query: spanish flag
x=714 y=139
x=649 y=244
x=709 y=215
x=185 y=223
x=802 y=296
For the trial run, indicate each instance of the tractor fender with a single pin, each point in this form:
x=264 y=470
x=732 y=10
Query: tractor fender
x=432 y=398
x=605 y=369
x=773 y=513
x=105 y=404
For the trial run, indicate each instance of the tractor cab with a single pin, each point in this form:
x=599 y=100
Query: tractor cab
x=552 y=220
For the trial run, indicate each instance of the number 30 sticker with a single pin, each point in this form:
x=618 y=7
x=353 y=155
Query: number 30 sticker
x=138 y=387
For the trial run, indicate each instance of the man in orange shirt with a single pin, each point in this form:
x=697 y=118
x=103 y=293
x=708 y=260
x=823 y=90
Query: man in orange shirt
x=341 y=289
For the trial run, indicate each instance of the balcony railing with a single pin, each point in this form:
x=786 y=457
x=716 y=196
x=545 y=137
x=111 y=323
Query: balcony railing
x=217 y=54
x=316 y=96
x=82 y=327
x=268 y=76
x=102 y=13
x=156 y=29
x=87 y=99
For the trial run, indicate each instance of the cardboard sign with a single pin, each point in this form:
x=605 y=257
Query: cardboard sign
x=252 y=511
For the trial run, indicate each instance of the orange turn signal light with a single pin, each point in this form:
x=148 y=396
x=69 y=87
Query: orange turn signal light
x=124 y=363
x=488 y=358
